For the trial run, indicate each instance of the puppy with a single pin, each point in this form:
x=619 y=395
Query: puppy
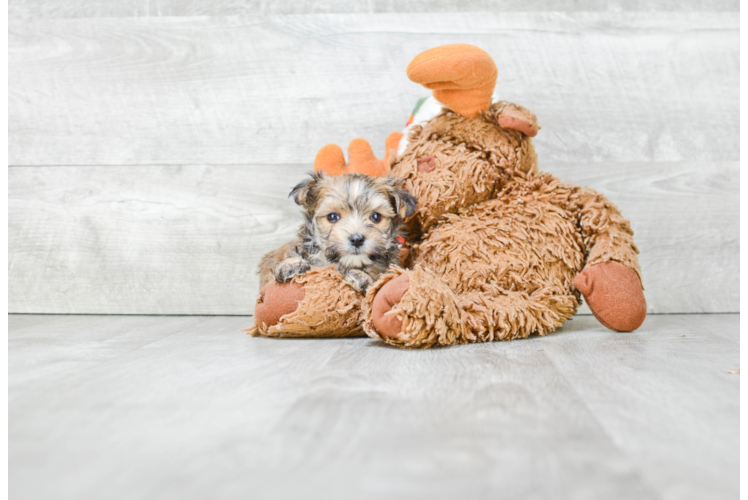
x=351 y=221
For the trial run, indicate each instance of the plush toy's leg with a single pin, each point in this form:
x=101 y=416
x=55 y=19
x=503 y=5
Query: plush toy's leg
x=514 y=314
x=416 y=309
x=316 y=304
x=611 y=280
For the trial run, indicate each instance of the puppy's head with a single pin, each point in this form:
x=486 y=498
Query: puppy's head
x=353 y=218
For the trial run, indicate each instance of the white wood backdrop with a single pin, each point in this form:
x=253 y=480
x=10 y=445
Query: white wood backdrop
x=151 y=155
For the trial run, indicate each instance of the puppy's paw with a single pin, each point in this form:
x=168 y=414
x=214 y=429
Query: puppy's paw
x=358 y=279
x=286 y=269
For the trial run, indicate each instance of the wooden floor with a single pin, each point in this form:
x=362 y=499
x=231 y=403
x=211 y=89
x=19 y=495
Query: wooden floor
x=148 y=407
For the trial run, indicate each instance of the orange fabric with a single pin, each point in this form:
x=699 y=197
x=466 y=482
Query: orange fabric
x=361 y=159
x=330 y=160
x=391 y=144
x=461 y=76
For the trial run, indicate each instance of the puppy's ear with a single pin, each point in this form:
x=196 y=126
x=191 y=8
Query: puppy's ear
x=405 y=203
x=303 y=192
x=402 y=201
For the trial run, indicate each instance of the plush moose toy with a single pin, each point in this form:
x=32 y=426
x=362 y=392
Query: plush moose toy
x=496 y=250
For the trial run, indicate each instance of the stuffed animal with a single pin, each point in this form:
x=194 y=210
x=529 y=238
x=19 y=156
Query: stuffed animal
x=496 y=250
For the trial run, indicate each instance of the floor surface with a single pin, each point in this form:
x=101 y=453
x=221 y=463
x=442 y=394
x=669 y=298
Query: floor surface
x=152 y=407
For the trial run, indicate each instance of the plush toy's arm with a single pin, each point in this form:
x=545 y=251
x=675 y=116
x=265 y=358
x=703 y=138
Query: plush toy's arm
x=317 y=303
x=607 y=235
x=611 y=280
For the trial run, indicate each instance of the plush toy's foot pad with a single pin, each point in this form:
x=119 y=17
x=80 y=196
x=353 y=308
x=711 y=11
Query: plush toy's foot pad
x=276 y=300
x=413 y=309
x=385 y=321
x=614 y=294
x=318 y=303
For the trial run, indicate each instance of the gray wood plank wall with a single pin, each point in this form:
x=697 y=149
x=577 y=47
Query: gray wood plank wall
x=152 y=148
x=34 y=9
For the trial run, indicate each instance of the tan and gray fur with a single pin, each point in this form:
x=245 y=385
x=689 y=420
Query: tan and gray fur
x=351 y=221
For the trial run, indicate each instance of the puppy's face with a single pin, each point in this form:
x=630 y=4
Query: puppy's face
x=354 y=218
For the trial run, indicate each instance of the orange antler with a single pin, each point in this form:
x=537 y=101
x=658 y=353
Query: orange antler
x=361 y=159
x=461 y=76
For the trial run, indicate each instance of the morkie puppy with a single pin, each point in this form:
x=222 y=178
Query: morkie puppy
x=351 y=221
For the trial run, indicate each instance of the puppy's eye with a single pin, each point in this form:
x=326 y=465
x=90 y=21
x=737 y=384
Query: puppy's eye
x=333 y=217
x=375 y=217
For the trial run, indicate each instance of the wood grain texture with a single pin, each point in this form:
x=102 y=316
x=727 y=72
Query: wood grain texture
x=71 y=344
x=35 y=9
x=631 y=383
x=184 y=135
x=157 y=407
x=148 y=240
x=187 y=240
x=17 y=322
x=618 y=87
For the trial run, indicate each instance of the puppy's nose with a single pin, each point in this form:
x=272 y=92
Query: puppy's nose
x=356 y=239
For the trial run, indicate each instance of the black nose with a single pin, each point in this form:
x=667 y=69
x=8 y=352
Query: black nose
x=356 y=240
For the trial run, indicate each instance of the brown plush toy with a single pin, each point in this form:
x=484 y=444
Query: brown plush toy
x=498 y=250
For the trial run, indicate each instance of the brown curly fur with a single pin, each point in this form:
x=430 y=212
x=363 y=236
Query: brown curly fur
x=499 y=244
x=471 y=155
